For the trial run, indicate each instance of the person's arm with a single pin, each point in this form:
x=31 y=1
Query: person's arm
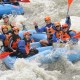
x=42 y=29
x=2 y=36
x=68 y=21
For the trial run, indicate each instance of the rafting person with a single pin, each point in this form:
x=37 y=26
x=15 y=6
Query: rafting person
x=28 y=40
x=5 y=36
x=58 y=32
x=6 y=21
x=14 y=41
x=49 y=28
x=66 y=33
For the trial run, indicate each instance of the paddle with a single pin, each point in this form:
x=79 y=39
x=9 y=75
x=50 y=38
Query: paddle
x=69 y=3
x=4 y=54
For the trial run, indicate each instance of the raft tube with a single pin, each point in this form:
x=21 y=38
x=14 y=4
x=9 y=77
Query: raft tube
x=45 y=56
x=9 y=61
x=10 y=9
x=36 y=36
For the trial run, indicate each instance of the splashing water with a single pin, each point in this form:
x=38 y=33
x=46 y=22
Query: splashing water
x=27 y=71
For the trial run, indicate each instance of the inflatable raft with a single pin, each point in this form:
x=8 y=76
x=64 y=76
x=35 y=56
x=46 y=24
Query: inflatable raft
x=47 y=54
x=9 y=61
x=10 y=9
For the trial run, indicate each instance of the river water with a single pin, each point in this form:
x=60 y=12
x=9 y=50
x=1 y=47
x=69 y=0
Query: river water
x=62 y=69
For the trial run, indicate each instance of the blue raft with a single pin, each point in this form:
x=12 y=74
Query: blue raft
x=10 y=8
x=36 y=36
x=9 y=61
x=45 y=56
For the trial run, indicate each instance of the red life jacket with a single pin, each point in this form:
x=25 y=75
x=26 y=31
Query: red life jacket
x=6 y=41
x=28 y=45
x=14 y=44
x=50 y=31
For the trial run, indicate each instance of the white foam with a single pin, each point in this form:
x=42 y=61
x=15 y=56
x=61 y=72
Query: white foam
x=26 y=71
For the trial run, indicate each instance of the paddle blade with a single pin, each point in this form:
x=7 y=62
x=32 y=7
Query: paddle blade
x=77 y=35
x=25 y=1
x=69 y=3
x=4 y=54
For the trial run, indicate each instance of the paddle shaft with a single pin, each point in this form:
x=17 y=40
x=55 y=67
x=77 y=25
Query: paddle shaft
x=67 y=11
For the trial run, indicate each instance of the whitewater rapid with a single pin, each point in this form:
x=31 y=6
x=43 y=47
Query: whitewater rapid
x=62 y=69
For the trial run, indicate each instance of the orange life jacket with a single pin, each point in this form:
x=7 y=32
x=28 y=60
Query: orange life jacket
x=28 y=45
x=50 y=31
x=6 y=41
x=58 y=34
x=14 y=44
x=65 y=36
